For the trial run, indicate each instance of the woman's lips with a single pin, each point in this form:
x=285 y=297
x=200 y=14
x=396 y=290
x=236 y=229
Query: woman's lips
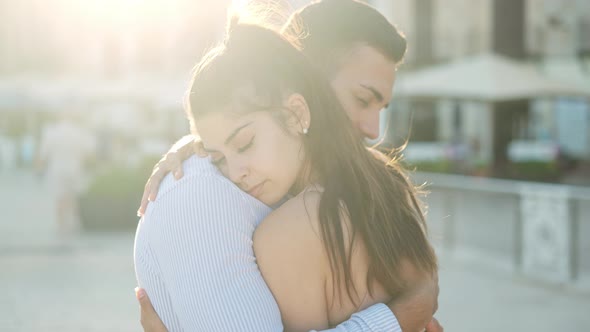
x=256 y=190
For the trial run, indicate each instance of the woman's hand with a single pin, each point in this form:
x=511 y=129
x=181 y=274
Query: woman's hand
x=150 y=321
x=171 y=162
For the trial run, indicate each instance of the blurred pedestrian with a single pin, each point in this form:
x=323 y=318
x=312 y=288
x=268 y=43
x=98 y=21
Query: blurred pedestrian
x=27 y=150
x=65 y=147
x=8 y=155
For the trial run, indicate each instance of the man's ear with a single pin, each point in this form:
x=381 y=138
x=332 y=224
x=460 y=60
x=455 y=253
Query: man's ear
x=298 y=116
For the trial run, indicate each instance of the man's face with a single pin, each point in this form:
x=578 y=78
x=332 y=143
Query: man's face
x=363 y=84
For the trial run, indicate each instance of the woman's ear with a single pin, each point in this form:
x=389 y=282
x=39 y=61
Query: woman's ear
x=298 y=117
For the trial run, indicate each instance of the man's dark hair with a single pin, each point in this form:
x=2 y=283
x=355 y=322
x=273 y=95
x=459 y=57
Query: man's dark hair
x=331 y=28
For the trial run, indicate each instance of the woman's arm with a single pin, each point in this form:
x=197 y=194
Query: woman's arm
x=172 y=161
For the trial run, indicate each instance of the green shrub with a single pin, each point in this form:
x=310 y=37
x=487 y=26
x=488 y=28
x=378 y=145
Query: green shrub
x=547 y=171
x=117 y=183
x=112 y=199
x=440 y=166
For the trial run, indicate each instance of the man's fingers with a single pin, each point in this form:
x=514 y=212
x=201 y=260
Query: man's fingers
x=199 y=149
x=171 y=162
x=437 y=293
x=147 y=310
x=155 y=180
x=143 y=299
x=177 y=169
x=434 y=326
x=150 y=321
x=186 y=151
x=160 y=171
x=435 y=309
x=144 y=200
x=147 y=190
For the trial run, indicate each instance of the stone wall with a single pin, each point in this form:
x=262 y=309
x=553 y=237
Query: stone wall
x=539 y=230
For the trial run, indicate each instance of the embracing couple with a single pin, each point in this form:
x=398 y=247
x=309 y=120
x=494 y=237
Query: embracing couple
x=280 y=217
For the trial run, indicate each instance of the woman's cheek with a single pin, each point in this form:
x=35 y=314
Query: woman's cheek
x=259 y=159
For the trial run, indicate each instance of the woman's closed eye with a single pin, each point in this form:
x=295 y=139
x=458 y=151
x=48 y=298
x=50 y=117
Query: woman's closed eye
x=247 y=146
x=220 y=160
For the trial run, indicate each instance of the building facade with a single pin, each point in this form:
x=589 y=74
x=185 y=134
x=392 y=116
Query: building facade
x=552 y=36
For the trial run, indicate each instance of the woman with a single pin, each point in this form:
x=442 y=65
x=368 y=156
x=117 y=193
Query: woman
x=272 y=124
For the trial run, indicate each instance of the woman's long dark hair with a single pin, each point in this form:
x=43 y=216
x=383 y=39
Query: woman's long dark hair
x=253 y=70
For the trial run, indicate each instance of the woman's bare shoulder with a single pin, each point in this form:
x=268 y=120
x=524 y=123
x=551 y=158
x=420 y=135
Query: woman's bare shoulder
x=297 y=216
x=291 y=234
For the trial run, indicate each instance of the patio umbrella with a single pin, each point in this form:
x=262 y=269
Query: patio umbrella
x=487 y=77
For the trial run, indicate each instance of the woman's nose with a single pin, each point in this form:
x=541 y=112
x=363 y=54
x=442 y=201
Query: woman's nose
x=237 y=171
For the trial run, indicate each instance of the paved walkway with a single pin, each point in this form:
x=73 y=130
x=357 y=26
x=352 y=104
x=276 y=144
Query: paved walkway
x=48 y=283
x=86 y=283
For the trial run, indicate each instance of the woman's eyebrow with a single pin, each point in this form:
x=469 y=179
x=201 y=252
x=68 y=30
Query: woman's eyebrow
x=230 y=137
x=235 y=132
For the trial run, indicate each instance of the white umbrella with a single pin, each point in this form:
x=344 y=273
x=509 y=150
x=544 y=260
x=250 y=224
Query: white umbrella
x=487 y=77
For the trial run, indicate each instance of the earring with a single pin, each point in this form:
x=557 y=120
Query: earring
x=305 y=129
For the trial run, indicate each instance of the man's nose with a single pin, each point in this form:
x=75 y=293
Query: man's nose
x=370 y=124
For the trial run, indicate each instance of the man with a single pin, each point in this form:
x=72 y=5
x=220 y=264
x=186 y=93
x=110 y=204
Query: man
x=194 y=251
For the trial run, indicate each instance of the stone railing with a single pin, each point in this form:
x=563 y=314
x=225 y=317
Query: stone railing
x=539 y=230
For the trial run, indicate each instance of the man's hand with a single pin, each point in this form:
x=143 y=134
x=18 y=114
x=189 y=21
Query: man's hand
x=150 y=321
x=414 y=309
x=434 y=326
